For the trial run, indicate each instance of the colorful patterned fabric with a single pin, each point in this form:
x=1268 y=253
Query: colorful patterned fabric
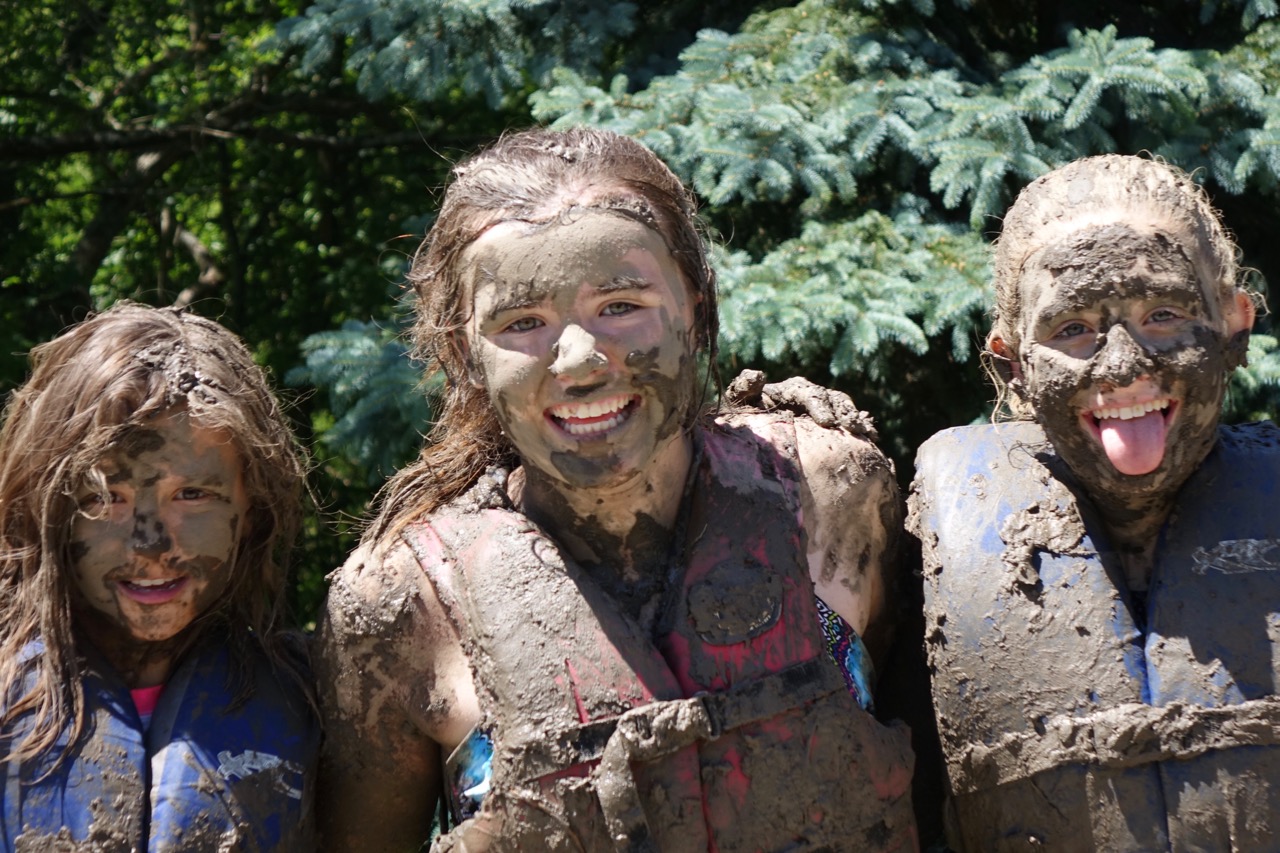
x=849 y=653
x=470 y=770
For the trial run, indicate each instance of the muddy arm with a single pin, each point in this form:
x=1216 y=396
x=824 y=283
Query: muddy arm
x=380 y=770
x=852 y=518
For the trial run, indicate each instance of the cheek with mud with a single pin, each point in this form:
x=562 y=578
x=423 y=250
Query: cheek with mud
x=98 y=554
x=206 y=543
x=1196 y=369
x=673 y=391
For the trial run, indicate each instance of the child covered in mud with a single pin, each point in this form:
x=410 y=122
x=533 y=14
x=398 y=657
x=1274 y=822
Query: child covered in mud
x=150 y=490
x=1102 y=601
x=589 y=614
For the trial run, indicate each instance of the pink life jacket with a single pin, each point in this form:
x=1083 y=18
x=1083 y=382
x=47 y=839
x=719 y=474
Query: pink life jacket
x=733 y=730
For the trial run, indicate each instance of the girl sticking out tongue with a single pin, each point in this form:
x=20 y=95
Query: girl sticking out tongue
x=1118 y=323
x=1100 y=573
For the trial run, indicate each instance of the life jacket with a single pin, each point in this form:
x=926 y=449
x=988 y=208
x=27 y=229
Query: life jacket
x=732 y=731
x=201 y=777
x=1074 y=715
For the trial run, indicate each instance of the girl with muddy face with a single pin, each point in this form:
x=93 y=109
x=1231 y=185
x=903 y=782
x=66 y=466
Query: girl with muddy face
x=1117 y=325
x=565 y=294
x=1093 y=575
x=150 y=491
x=581 y=335
x=579 y=540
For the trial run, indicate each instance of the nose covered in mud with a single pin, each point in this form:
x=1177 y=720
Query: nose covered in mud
x=1132 y=406
x=1132 y=432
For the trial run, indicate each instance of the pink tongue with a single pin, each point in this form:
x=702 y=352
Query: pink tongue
x=1134 y=446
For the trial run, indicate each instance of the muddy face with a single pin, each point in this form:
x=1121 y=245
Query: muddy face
x=159 y=554
x=1125 y=358
x=582 y=337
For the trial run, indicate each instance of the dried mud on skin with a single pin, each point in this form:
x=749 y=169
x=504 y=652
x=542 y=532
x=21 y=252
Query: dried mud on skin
x=1112 y=262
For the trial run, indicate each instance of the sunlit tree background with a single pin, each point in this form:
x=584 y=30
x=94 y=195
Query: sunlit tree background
x=274 y=165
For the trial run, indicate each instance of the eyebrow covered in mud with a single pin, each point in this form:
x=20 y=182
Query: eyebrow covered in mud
x=523 y=295
x=624 y=283
x=1113 y=262
x=1077 y=301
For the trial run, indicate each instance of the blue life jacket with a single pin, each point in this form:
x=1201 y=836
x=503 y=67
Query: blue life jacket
x=1074 y=715
x=203 y=776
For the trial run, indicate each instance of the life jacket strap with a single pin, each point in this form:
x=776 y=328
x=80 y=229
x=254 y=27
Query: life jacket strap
x=1126 y=735
x=663 y=728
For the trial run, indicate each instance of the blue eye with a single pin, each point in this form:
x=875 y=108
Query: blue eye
x=1071 y=330
x=524 y=324
x=1163 y=315
x=617 y=309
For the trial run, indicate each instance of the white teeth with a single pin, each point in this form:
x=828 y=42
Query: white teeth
x=594 y=409
x=1128 y=413
x=590 y=429
x=145 y=582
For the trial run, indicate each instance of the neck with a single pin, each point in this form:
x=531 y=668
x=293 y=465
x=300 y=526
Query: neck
x=1133 y=526
x=139 y=663
x=621 y=534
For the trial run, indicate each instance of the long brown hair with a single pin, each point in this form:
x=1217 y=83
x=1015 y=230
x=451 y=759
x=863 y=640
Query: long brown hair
x=534 y=176
x=87 y=388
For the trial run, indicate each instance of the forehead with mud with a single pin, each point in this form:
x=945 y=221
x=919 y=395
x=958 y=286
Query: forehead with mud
x=1098 y=191
x=535 y=177
x=1104 y=263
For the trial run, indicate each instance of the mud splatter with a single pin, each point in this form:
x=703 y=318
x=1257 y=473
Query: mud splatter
x=1043 y=526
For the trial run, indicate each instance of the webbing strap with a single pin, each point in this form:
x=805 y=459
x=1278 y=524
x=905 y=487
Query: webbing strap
x=663 y=728
x=1127 y=735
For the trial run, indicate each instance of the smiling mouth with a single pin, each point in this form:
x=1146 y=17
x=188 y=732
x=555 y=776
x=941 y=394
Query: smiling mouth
x=1128 y=413
x=593 y=418
x=153 y=591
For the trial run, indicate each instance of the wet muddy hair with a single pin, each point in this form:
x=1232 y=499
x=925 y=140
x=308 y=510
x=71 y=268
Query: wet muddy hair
x=88 y=388
x=1101 y=190
x=536 y=176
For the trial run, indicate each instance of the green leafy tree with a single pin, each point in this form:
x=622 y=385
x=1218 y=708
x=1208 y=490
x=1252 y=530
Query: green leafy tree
x=176 y=153
x=855 y=157
x=274 y=165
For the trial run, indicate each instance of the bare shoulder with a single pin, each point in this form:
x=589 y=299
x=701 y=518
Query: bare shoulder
x=395 y=693
x=853 y=515
x=835 y=462
x=376 y=618
x=384 y=628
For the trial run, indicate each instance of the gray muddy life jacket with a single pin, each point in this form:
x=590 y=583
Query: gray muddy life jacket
x=1074 y=715
x=729 y=728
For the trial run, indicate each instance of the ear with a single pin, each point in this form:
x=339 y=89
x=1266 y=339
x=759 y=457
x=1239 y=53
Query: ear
x=1004 y=360
x=1239 y=313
